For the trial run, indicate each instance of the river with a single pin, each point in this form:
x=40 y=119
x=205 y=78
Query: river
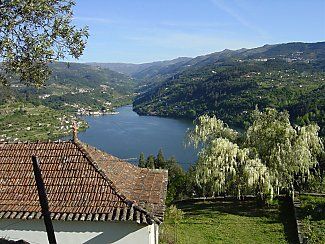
x=127 y=134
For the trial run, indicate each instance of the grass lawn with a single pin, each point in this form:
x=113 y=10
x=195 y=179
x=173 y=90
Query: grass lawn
x=313 y=218
x=231 y=222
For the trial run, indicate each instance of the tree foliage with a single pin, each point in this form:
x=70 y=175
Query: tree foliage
x=287 y=151
x=34 y=33
x=142 y=161
x=178 y=180
x=273 y=155
x=160 y=161
x=208 y=128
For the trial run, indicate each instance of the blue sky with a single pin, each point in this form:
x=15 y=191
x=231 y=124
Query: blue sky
x=140 y=31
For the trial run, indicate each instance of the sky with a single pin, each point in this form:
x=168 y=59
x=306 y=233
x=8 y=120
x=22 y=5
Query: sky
x=139 y=31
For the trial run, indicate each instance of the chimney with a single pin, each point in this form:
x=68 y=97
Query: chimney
x=74 y=131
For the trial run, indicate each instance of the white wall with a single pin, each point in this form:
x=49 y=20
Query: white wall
x=75 y=232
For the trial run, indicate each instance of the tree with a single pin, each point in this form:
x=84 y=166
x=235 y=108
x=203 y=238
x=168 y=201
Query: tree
x=191 y=187
x=160 y=161
x=177 y=185
x=208 y=128
x=142 y=161
x=34 y=33
x=175 y=216
x=288 y=152
x=271 y=157
x=150 y=162
x=176 y=180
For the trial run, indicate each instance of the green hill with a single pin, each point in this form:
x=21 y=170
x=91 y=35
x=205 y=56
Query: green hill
x=231 y=83
x=76 y=87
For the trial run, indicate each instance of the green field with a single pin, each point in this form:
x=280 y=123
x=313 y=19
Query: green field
x=313 y=218
x=231 y=222
x=26 y=122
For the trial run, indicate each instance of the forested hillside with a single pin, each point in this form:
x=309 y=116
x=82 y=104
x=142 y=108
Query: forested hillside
x=231 y=83
x=75 y=87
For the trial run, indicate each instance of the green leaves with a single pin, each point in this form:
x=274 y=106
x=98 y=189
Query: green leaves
x=36 y=32
x=270 y=157
x=206 y=129
x=286 y=150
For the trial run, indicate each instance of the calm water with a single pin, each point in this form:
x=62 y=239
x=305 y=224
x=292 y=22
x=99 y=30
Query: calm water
x=127 y=134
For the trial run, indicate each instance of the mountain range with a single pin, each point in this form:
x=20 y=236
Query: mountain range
x=229 y=84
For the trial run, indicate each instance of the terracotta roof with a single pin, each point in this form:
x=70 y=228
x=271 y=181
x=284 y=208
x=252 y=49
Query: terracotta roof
x=82 y=183
x=147 y=187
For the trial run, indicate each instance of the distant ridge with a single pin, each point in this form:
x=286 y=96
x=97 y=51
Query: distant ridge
x=131 y=69
x=160 y=70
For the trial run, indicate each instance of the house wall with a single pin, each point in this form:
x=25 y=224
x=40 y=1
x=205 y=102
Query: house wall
x=75 y=232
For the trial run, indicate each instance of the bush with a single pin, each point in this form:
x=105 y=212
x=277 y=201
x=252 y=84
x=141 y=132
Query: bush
x=168 y=230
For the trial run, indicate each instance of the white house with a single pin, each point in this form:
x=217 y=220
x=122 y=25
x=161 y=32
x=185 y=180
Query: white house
x=93 y=196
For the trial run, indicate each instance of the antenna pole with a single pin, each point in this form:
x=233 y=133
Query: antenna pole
x=43 y=201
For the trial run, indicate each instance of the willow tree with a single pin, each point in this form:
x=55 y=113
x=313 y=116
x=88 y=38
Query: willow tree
x=34 y=33
x=289 y=153
x=224 y=167
x=268 y=159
